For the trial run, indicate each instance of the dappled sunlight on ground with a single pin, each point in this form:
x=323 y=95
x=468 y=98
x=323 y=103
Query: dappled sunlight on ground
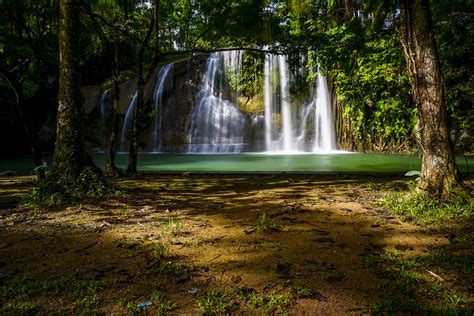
x=266 y=233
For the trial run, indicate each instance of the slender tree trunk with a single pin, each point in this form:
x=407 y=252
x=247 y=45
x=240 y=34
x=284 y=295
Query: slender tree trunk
x=438 y=169
x=69 y=153
x=141 y=82
x=110 y=167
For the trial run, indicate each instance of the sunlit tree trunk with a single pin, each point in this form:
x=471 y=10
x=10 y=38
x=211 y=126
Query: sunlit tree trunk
x=69 y=153
x=438 y=169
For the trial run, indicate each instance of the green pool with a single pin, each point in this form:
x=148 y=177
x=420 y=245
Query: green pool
x=256 y=163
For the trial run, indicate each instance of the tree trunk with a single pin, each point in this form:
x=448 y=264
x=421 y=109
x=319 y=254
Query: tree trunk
x=141 y=82
x=133 y=142
x=110 y=167
x=438 y=169
x=69 y=153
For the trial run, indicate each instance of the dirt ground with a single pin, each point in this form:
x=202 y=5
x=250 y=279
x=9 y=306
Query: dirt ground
x=188 y=235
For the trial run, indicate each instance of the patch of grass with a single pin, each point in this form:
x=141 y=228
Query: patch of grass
x=250 y=297
x=174 y=226
x=88 y=303
x=279 y=303
x=168 y=266
x=409 y=291
x=20 y=308
x=301 y=292
x=215 y=302
x=61 y=190
x=264 y=224
x=160 y=250
x=273 y=302
x=84 y=292
x=416 y=206
x=161 y=303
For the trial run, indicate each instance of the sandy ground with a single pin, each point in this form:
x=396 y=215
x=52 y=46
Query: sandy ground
x=265 y=233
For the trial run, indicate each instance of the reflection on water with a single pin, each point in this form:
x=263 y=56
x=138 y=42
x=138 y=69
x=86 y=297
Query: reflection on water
x=340 y=163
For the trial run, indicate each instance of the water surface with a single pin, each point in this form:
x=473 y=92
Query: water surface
x=255 y=163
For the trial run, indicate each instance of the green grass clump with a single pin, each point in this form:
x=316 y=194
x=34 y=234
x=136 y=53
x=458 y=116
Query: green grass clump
x=161 y=303
x=61 y=190
x=408 y=289
x=418 y=207
x=20 y=309
x=174 y=226
x=215 y=302
x=264 y=224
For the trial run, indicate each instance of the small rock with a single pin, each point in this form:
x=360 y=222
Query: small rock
x=249 y=231
x=345 y=209
x=283 y=268
x=193 y=290
x=328 y=266
x=376 y=225
x=269 y=287
x=236 y=279
x=335 y=278
x=318 y=296
x=404 y=247
x=179 y=277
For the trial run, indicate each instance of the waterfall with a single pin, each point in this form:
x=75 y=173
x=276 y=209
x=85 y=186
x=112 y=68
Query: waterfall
x=286 y=114
x=161 y=80
x=268 y=101
x=128 y=122
x=102 y=105
x=295 y=121
x=291 y=127
x=324 y=122
x=103 y=117
x=217 y=124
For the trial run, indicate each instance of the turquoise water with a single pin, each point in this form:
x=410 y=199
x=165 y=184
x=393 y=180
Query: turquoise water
x=252 y=162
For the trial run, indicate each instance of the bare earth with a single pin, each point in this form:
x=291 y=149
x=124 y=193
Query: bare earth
x=267 y=234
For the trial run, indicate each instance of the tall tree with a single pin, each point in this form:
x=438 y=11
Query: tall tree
x=438 y=169
x=141 y=83
x=69 y=153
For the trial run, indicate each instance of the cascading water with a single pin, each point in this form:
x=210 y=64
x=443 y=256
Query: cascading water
x=290 y=127
x=286 y=109
x=127 y=123
x=217 y=124
x=162 y=79
x=324 y=122
x=102 y=105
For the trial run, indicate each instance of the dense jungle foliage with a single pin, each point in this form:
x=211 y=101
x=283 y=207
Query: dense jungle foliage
x=357 y=47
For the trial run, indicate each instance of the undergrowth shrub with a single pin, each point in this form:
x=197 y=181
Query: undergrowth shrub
x=60 y=190
x=418 y=207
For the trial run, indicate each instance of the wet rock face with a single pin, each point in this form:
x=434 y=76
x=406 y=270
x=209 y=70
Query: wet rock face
x=185 y=80
x=176 y=119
